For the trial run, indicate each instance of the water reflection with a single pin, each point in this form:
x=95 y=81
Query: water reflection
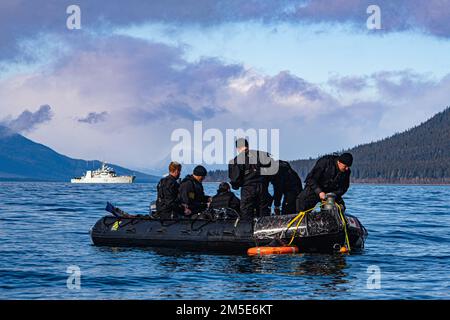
x=322 y=265
x=330 y=269
x=304 y=275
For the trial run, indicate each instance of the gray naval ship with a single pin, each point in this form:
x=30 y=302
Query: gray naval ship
x=103 y=175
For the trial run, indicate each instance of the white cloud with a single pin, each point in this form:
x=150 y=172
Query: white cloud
x=148 y=89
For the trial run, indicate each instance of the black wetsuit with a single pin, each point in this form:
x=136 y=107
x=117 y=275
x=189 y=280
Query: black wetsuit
x=225 y=199
x=245 y=172
x=192 y=194
x=324 y=177
x=286 y=185
x=168 y=201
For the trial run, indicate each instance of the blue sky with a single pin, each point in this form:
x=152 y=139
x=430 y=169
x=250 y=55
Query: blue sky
x=136 y=72
x=314 y=51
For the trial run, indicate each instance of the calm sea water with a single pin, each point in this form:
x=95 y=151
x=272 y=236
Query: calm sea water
x=44 y=230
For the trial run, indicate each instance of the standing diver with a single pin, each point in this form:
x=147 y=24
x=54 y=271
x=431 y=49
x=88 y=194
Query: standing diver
x=168 y=204
x=330 y=174
x=286 y=185
x=246 y=172
x=192 y=195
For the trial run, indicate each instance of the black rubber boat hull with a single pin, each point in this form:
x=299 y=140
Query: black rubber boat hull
x=198 y=235
x=221 y=236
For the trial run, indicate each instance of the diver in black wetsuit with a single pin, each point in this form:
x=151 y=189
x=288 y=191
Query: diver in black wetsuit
x=250 y=170
x=192 y=195
x=330 y=174
x=286 y=185
x=225 y=198
x=168 y=204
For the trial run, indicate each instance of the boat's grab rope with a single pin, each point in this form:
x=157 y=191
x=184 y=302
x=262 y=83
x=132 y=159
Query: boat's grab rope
x=345 y=226
x=299 y=217
x=302 y=214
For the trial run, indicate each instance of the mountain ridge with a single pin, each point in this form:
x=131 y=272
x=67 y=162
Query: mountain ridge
x=419 y=155
x=22 y=159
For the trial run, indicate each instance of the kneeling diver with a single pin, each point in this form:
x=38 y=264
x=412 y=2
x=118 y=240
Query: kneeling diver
x=225 y=198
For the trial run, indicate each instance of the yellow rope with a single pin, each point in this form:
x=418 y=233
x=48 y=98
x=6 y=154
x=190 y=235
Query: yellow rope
x=345 y=226
x=302 y=214
x=299 y=217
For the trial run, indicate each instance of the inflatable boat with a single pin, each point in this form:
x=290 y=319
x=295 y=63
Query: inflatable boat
x=224 y=231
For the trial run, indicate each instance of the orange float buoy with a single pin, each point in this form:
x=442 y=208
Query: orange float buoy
x=259 y=251
x=343 y=250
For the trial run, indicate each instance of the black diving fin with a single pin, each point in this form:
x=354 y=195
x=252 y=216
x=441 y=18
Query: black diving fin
x=119 y=213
